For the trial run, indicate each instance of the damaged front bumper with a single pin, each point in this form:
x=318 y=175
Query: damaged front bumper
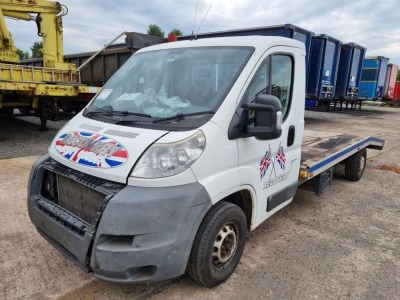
x=120 y=233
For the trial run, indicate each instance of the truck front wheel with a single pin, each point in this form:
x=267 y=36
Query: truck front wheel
x=355 y=165
x=218 y=245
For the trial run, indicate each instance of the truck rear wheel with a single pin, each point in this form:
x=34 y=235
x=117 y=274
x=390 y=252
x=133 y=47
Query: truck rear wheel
x=218 y=245
x=355 y=165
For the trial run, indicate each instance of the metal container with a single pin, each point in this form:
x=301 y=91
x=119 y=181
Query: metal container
x=373 y=78
x=105 y=64
x=390 y=82
x=322 y=71
x=349 y=71
x=285 y=30
x=397 y=91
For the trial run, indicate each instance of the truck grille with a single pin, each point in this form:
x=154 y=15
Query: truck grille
x=78 y=199
x=80 y=194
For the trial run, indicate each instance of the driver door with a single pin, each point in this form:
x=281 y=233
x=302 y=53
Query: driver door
x=271 y=166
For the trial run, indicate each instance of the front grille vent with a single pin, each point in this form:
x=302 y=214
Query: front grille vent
x=80 y=195
x=91 y=127
x=77 y=194
x=78 y=199
x=120 y=133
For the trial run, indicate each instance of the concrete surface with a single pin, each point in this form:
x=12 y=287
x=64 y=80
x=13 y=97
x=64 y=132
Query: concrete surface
x=343 y=245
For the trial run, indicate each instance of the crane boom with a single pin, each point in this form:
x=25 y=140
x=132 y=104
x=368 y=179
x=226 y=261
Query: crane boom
x=48 y=17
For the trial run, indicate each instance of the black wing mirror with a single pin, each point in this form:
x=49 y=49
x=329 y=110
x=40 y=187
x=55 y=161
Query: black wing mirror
x=267 y=119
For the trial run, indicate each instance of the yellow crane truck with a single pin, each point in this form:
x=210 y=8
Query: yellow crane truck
x=46 y=88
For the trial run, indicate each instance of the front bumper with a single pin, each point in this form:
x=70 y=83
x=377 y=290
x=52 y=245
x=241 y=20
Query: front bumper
x=136 y=235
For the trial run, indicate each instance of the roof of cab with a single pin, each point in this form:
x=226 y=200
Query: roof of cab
x=240 y=41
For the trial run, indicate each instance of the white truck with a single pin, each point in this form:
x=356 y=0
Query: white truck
x=187 y=147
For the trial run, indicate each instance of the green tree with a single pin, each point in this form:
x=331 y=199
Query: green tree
x=22 y=54
x=398 y=76
x=36 y=50
x=155 y=30
x=176 y=31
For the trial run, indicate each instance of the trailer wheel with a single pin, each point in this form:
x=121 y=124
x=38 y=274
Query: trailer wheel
x=355 y=165
x=218 y=245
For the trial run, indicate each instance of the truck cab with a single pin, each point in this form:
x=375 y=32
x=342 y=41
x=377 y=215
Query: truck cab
x=187 y=147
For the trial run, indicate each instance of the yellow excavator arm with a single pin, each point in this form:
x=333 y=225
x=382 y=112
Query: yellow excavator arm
x=48 y=17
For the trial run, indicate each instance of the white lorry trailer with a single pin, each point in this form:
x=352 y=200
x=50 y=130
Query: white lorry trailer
x=187 y=147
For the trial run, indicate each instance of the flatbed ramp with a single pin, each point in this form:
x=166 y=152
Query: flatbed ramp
x=322 y=150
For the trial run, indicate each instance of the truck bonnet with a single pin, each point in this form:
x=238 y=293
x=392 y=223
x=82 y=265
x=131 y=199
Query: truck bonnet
x=101 y=149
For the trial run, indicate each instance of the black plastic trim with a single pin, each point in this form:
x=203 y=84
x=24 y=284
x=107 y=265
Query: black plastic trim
x=282 y=196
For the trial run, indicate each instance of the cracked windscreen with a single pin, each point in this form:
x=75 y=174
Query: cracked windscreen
x=170 y=82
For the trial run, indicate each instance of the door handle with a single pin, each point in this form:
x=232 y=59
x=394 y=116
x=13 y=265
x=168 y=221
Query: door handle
x=291 y=135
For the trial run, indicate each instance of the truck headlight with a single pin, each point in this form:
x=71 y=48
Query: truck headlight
x=162 y=160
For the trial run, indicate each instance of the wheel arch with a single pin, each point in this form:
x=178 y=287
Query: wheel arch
x=242 y=198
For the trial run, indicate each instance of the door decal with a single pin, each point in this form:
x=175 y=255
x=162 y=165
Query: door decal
x=265 y=162
x=278 y=173
x=280 y=157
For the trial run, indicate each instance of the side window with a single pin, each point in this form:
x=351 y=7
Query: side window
x=259 y=84
x=273 y=77
x=281 y=80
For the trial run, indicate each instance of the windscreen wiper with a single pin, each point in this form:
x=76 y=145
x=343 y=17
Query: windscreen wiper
x=129 y=113
x=94 y=111
x=181 y=116
x=110 y=112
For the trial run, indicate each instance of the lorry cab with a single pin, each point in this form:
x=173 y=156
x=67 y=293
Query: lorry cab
x=189 y=145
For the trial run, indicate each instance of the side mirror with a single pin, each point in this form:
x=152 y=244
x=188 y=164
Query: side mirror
x=267 y=119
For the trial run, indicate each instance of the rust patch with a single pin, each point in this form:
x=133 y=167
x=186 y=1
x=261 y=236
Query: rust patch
x=393 y=168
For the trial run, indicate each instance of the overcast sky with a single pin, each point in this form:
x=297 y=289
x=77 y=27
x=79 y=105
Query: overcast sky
x=91 y=24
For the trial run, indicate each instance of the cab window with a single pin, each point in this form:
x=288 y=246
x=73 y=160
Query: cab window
x=273 y=77
x=282 y=71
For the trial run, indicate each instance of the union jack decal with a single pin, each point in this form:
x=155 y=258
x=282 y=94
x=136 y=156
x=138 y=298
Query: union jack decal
x=91 y=149
x=265 y=162
x=280 y=157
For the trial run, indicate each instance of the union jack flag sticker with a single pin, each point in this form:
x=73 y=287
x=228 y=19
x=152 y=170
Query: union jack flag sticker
x=265 y=163
x=91 y=149
x=280 y=157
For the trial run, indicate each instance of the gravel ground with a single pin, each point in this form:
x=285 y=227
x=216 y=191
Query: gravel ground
x=343 y=245
x=20 y=135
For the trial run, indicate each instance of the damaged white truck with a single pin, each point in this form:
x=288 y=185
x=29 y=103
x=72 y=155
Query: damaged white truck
x=188 y=146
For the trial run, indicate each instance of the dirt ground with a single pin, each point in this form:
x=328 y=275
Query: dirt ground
x=343 y=245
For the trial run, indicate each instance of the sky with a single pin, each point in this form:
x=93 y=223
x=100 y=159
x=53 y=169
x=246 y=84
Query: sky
x=91 y=24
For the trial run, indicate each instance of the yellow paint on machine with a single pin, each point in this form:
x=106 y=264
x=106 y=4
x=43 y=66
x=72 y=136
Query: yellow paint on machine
x=51 y=90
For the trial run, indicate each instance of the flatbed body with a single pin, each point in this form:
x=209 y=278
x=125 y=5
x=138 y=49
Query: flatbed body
x=323 y=150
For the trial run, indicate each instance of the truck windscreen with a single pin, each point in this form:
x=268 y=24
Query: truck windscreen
x=165 y=83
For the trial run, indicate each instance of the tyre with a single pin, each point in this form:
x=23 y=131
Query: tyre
x=218 y=245
x=355 y=165
x=66 y=107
